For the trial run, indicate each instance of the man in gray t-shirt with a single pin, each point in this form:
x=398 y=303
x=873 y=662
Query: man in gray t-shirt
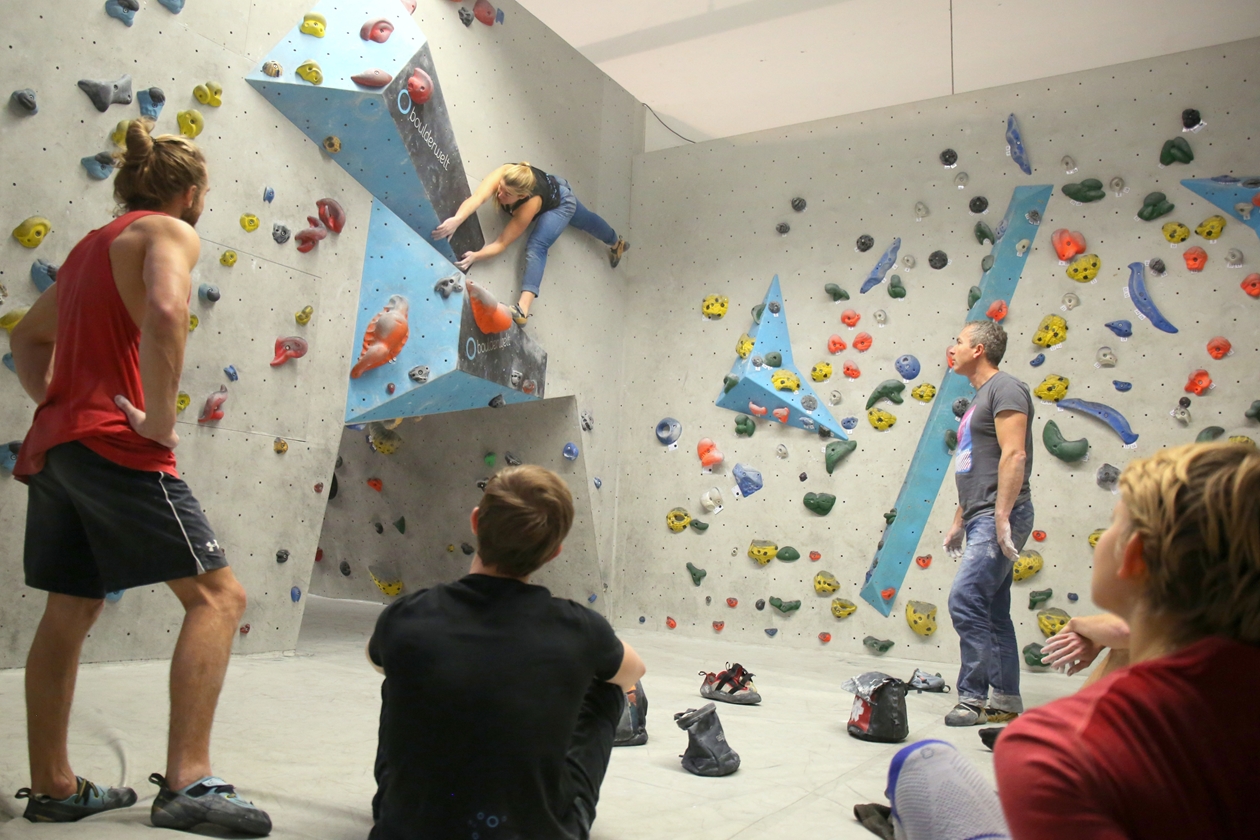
x=995 y=516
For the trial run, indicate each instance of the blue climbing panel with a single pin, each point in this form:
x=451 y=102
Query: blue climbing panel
x=1226 y=191
x=932 y=458
x=403 y=153
x=769 y=335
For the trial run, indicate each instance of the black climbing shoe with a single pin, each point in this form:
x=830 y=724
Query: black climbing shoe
x=84 y=802
x=209 y=800
x=875 y=818
x=707 y=753
x=632 y=728
x=989 y=735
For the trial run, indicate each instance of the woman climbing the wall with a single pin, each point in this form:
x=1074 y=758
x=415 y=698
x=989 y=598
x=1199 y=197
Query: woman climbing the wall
x=529 y=194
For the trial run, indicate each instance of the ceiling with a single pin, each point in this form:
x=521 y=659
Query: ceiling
x=717 y=68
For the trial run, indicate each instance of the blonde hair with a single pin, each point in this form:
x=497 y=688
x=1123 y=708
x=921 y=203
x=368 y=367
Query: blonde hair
x=525 y=514
x=519 y=178
x=1197 y=510
x=154 y=170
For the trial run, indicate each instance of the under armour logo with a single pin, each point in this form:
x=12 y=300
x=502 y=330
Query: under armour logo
x=213 y=546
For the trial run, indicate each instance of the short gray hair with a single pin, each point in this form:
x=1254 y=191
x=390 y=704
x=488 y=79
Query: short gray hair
x=991 y=336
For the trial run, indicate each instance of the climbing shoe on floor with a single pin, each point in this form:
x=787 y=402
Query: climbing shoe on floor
x=615 y=252
x=989 y=735
x=86 y=801
x=965 y=714
x=208 y=800
x=734 y=685
x=632 y=728
x=921 y=680
x=875 y=818
x=1000 y=715
x=517 y=315
x=707 y=753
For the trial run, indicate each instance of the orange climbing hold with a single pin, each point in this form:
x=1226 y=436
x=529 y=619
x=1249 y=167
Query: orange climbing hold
x=850 y=318
x=888 y=594
x=708 y=452
x=824 y=637
x=863 y=342
x=718 y=625
x=1039 y=536
x=851 y=370
x=836 y=344
x=997 y=310
x=815 y=556
x=491 y=316
x=384 y=337
x=1067 y=243
x=1198 y=383
x=1219 y=347
x=732 y=602
x=1251 y=283
x=757 y=410
x=376 y=484
x=781 y=414
x=924 y=560
x=670 y=623
x=1195 y=258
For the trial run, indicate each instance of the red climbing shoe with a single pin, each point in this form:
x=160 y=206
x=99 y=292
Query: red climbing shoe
x=734 y=685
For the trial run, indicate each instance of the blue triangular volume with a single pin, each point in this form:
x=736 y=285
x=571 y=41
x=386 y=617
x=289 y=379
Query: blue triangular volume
x=1227 y=192
x=755 y=383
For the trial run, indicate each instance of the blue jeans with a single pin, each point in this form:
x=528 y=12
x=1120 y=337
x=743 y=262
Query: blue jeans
x=980 y=607
x=547 y=229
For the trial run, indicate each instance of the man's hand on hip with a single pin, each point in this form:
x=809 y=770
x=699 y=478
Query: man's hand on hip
x=1005 y=542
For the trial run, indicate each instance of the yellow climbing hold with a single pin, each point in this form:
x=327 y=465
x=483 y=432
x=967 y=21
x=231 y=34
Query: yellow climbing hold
x=785 y=380
x=1084 y=268
x=32 y=231
x=309 y=70
x=1053 y=388
x=190 y=122
x=209 y=93
x=744 y=346
x=193 y=322
x=1051 y=331
x=1051 y=621
x=1211 y=228
x=880 y=419
x=315 y=24
x=10 y=319
x=119 y=136
x=924 y=392
x=392 y=588
x=1175 y=232
x=182 y=401
x=841 y=608
x=227 y=258
x=1094 y=536
x=825 y=583
x=1027 y=564
x=677 y=520
x=303 y=316
x=921 y=616
x=250 y=222
x=714 y=306
x=820 y=372
x=280 y=446
x=762 y=551
x=1243 y=439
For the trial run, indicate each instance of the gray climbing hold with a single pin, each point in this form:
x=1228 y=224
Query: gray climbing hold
x=865 y=242
x=783 y=228
x=208 y=293
x=938 y=259
x=1107 y=476
x=99 y=167
x=986 y=263
x=105 y=93
x=23 y=102
x=960 y=407
x=798 y=204
x=280 y=233
x=978 y=204
x=949 y=157
x=496 y=401
x=151 y=101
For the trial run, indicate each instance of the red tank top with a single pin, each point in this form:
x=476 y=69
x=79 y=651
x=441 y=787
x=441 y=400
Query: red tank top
x=97 y=357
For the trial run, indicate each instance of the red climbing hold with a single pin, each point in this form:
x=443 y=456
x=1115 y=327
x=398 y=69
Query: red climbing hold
x=1067 y=243
x=390 y=388
x=374 y=78
x=1198 y=382
x=924 y=560
x=319 y=488
x=997 y=310
x=378 y=30
x=419 y=87
x=307 y=239
x=888 y=594
x=1039 y=536
x=732 y=602
x=862 y=343
x=718 y=625
x=836 y=344
x=319 y=554
x=1195 y=258
x=410 y=6
x=376 y=484
x=670 y=623
x=331 y=214
x=213 y=409
x=851 y=370
x=244 y=629
x=1251 y=283
x=1219 y=347
x=757 y=410
x=291 y=347
x=815 y=556
x=781 y=414
x=484 y=12
x=850 y=318
x=824 y=637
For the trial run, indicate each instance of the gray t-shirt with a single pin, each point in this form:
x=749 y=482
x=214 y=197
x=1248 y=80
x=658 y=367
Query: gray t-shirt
x=976 y=462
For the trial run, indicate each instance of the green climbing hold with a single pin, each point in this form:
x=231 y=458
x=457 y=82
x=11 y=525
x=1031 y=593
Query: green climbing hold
x=878 y=645
x=837 y=451
x=773 y=359
x=697 y=575
x=745 y=426
x=896 y=289
x=697 y=525
x=1033 y=655
x=489 y=459
x=1176 y=150
x=891 y=516
x=1091 y=189
x=889 y=389
x=784 y=607
x=401 y=524
x=951 y=439
x=729 y=382
x=757 y=310
x=986 y=262
x=1253 y=413
x=836 y=292
x=1065 y=450
x=1038 y=597
x=820 y=503
x=1209 y=434
x=973 y=295
x=1155 y=204
x=788 y=554
x=983 y=232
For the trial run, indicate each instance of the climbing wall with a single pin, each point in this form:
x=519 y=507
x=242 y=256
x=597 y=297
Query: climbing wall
x=717 y=219
x=414 y=529
x=553 y=108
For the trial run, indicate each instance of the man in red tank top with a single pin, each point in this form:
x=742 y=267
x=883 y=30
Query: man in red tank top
x=106 y=508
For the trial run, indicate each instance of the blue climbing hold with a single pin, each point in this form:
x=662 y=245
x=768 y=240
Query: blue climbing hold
x=598 y=483
x=886 y=262
x=1072 y=596
x=99 y=167
x=124 y=10
x=1016 y=141
x=8 y=456
x=849 y=423
x=771 y=631
x=1038 y=360
x=747 y=479
x=296 y=594
x=269 y=194
x=230 y=370
x=8 y=362
x=1124 y=329
x=1122 y=386
x=592 y=598
x=908 y=366
x=570 y=452
x=642 y=619
x=43 y=274
x=172 y=6
x=1105 y=413
x=1142 y=299
x=115 y=596
x=208 y=293
x=668 y=430
x=151 y=102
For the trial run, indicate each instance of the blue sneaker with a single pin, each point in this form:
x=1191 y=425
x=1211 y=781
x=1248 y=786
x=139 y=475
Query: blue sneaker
x=209 y=800
x=86 y=801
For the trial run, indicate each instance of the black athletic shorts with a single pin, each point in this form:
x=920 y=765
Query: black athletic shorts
x=93 y=526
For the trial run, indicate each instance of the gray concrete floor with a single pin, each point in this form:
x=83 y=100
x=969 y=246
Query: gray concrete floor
x=297 y=734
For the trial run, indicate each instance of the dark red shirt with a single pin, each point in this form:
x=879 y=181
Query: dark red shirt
x=1165 y=748
x=97 y=357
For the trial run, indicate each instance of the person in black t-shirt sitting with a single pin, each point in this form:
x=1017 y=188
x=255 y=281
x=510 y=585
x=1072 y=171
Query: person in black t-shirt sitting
x=528 y=193
x=500 y=701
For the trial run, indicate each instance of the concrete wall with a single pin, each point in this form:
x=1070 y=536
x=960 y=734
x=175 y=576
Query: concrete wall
x=706 y=216
x=515 y=91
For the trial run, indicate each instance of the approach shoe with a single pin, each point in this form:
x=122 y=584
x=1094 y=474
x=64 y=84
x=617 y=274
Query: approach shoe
x=89 y=799
x=517 y=315
x=1000 y=715
x=632 y=728
x=734 y=685
x=208 y=800
x=964 y=714
x=707 y=753
x=989 y=735
x=616 y=251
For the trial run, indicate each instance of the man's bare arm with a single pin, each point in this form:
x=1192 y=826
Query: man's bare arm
x=171 y=251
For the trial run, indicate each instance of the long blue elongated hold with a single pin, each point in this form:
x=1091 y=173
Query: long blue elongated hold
x=882 y=267
x=1142 y=299
x=1016 y=142
x=1105 y=413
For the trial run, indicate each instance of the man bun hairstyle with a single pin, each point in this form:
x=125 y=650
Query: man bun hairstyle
x=524 y=515
x=991 y=336
x=1197 y=510
x=154 y=170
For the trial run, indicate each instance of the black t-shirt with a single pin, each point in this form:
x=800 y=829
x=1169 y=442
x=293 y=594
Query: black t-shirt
x=545 y=186
x=484 y=679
